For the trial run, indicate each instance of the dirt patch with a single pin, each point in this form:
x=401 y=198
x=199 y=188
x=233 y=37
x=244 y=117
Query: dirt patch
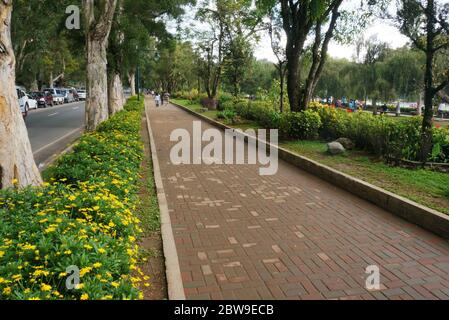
x=151 y=244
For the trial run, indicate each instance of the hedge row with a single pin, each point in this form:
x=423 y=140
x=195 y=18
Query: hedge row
x=84 y=217
x=381 y=135
x=224 y=99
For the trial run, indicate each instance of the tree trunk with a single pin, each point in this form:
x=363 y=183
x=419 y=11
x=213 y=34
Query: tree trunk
x=34 y=86
x=17 y=166
x=132 y=83
x=97 y=36
x=50 y=80
x=281 y=69
x=97 y=109
x=115 y=91
x=293 y=88
x=429 y=93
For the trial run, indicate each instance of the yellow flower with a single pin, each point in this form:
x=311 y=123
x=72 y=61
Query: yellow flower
x=17 y=277
x=2 y=253
x=72 y=198
x=34 y=299
x=83 y=271
x=7 y=291
x=115 y=284
x=68 y=252
x=101 y=250
x=29 y=247
x=97 y=265
x=50 y=230
x=84 y=296
x=45 y=287
x=88 y=247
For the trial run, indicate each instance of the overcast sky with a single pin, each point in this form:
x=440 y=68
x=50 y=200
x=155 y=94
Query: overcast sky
x=383 y=31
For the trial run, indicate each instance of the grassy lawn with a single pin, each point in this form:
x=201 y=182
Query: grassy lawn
x=423 y=186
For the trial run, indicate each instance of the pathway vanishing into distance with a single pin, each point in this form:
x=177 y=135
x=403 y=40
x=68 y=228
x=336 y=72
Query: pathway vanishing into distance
x=240 y=235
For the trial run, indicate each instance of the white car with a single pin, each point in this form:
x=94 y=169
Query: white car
x=82 y=94
x=32 y=103
x=58 y=98
x=24 y=104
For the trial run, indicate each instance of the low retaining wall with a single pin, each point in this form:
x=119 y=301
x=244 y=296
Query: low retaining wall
x=411 y=211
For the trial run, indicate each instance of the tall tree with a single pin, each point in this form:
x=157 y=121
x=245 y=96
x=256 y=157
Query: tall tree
x=17 y=166
x=375 y=52
x=300 y=18
x=233 y=25
x=274 y=30
x=116 y=98
x=98 y=16
x=426 y=24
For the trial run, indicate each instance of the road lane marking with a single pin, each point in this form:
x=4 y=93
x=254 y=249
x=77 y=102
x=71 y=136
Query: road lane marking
x=53 y=114
x=76 y=108
x=56 y=141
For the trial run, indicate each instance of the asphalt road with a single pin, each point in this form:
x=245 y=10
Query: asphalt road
x=52 y=129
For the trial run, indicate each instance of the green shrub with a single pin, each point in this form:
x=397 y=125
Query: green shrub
x=440 y=152
x=224 y=100
x=84 y=217
x=228 y=115
x=300 y=125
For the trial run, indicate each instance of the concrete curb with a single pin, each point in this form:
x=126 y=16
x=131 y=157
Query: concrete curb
x=52 y=160
x=427 y=218
x=173 y=270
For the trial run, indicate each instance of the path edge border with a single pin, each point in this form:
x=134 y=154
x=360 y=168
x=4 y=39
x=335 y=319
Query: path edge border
x=420 y=215
x=172 y=268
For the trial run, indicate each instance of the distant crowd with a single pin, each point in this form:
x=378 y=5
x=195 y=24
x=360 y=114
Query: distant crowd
x=160 y=98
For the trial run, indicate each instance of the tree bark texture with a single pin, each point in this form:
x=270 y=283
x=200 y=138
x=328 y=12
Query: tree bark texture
x=98 y=29
x=17 y=166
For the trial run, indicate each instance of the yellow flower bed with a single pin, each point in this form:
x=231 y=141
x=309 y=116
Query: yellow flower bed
x=82 y=223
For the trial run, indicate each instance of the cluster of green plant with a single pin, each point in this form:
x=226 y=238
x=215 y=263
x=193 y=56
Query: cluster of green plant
x=380 y=135
x=84 y=216
x=225 y=100
x=228 y=115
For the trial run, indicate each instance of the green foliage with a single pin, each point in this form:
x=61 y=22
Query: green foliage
x=85 y=217
x=227 y=115
x=300 y=125
x=440 y=152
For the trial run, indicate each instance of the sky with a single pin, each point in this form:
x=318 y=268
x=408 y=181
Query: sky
x=380 y=29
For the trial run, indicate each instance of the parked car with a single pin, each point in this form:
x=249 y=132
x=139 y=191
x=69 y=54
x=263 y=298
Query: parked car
x=32 y=103
x=75 y=94
x=58 y=98
x=23 y=101
x=67 y=94
x=44 y=99
x=82 y=95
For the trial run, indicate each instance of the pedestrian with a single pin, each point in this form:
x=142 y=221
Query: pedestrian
x=158 y=100
x=167 y=97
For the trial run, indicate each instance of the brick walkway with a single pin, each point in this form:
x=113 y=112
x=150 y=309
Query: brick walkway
x=290 y=236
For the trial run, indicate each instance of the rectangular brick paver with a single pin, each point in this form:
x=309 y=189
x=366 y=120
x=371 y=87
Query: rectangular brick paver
x=240 y=235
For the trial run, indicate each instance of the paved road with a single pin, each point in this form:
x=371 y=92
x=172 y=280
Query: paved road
x=52 y=129
x=289 y=236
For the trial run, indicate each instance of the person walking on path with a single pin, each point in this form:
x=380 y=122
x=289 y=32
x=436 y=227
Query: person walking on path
x=158 y=99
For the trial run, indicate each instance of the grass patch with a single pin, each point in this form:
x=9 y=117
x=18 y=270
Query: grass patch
x=426 y=187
